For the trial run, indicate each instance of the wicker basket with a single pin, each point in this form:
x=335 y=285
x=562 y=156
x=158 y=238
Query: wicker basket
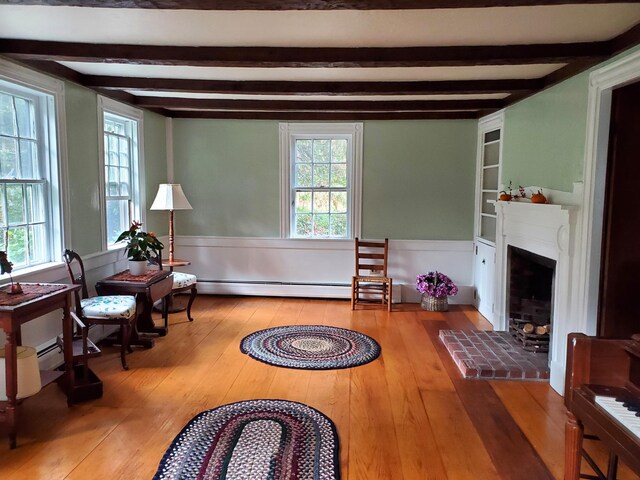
x=434 y=304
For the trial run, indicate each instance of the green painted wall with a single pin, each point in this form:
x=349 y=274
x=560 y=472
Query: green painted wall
x=81 y=107
x=229 y=171
x=82 y=147
x=155 y=169
x=418 y=178
x=544 y=137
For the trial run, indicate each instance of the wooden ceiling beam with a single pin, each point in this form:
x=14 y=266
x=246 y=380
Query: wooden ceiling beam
x=295 y=57
x=251 y=87
x=459 y=115
x=303 y=4
x=317 y=105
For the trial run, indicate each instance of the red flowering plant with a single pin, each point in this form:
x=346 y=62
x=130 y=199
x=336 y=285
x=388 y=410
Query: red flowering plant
x=140 y=245
x=436 y=284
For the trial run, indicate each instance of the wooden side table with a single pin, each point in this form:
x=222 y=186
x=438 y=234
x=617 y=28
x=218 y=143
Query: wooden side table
x=150 y=287
x=37 y=300
x=175 y=263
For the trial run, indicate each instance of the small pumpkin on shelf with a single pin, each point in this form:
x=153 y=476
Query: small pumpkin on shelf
x=538 y=197
x=504 y=196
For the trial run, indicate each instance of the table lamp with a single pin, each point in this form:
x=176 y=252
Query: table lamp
x=28 y=373
x=170 y=197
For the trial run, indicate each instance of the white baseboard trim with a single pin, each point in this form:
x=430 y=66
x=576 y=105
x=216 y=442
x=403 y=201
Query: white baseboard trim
x=557 y=376
x=274 y=289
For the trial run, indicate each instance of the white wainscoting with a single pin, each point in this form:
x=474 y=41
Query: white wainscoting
x=316 y=268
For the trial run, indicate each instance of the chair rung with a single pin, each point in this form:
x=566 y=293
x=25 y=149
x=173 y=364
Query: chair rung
x=373 y=287
x=364 y=266
x=370 y=244
x=374 y=279
x=378 y=256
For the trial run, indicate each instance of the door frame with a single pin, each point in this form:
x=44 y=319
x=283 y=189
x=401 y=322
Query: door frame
x=602 y=82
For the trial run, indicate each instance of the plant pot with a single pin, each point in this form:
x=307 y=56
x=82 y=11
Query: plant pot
x=434 y=304
x=137 y=267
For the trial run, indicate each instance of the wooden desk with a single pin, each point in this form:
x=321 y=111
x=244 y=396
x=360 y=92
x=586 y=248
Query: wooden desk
x=150 y=287
x=11 y=319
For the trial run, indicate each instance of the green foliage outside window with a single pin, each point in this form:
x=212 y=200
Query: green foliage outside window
x=320 y=188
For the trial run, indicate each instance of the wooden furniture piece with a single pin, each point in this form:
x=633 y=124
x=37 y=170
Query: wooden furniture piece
x=154 y=285
x=181 y=283
x=599 y=371
x=113 y=309
x=87 y=385
x=371 y=285
x=33 y=303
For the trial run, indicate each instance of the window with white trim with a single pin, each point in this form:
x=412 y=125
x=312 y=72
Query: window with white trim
x=321 y=165
x=30 y=204
x=121 y=154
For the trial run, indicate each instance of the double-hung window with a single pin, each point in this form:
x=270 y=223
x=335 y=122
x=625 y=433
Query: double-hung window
x=30 y=205
x=121 y=166
x=321 y=165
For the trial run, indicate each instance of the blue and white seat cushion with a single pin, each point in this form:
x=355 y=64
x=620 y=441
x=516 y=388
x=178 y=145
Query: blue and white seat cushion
x=109 y=306
x=183 y=280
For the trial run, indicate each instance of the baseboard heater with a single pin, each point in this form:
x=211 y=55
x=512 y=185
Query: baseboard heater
x=282 y=289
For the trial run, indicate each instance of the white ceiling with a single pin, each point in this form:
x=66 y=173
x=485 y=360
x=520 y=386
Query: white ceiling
x=314 y=28
x=317 y=74
x=336 y=28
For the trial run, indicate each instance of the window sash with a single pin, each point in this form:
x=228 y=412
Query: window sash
x=350 y=174
x=121 y=167
x=320 y=224
x=29 y=233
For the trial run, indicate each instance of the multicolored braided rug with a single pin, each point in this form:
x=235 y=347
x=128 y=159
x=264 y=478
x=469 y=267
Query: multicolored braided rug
x=254 y=440
x=310 y=347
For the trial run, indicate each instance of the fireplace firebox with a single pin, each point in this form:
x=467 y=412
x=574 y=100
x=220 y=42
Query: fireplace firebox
x=530 y=288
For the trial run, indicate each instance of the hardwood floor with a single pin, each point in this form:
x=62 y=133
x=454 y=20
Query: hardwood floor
x=407 y=415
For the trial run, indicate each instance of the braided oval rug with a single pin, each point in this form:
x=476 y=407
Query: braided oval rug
x=254 y=440
x=310 y=347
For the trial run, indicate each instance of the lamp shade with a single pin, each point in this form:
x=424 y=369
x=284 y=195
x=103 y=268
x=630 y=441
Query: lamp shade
x=28 y=373
x=170 y=197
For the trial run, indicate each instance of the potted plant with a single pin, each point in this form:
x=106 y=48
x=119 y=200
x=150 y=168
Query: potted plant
x=435 y=287
x=140 y=247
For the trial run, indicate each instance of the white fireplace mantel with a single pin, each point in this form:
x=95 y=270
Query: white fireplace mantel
x=546 y=230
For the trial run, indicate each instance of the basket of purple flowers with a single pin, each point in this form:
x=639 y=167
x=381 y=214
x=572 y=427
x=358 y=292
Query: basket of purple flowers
x=435 y=288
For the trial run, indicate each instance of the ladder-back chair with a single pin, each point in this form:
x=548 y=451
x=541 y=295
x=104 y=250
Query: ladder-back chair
x=371 y=285
x=119 y=310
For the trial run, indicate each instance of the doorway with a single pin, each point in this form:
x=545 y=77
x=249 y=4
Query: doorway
x=618 y=311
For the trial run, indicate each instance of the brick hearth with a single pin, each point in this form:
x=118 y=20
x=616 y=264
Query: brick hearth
x=493 y=355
